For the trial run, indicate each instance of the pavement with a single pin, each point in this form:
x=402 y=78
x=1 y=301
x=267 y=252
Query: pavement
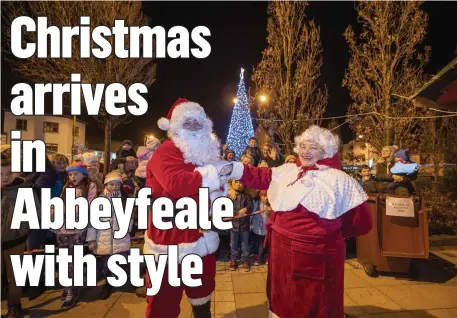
x=242 y=295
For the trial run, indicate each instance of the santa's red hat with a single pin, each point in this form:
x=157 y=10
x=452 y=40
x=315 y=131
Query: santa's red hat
x=181 y=109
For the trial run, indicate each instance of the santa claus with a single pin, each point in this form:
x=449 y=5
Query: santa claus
x=316 y=206
x=179 y=167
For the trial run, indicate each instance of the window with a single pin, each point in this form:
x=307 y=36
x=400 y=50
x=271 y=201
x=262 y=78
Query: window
x=51 y=148
x=76 y=131
x=50 y=127
x=21 y=124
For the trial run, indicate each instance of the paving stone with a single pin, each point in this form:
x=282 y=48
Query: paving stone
x=372 y=301
x=381 y=280
x=258 y=269
x=224 y=277
x=223 y=295
x=127 y=305
x=425 y=296
x=350 y=307
x=224 y=286
x=437 y=313
x=352 y=280
x=251 y=305
x=225 y=308
x=398 y=314
x=254 y=284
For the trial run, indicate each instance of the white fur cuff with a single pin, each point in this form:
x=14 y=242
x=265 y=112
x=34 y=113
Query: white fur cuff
x=206 y=245
x=200 y=301
x=210 y=177
x=237 y=171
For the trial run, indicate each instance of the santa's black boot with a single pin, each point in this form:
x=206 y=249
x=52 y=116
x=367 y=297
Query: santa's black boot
x=202 y=311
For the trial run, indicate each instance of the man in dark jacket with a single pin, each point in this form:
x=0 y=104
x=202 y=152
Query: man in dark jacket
x=13 y=241
x=242 y=204
x=253 y=150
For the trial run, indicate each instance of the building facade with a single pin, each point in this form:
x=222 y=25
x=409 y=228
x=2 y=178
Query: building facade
x=55 y=131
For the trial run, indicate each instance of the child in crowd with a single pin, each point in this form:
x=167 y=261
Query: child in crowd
x=367 y=180
x=102 y=242
x=144 y=154
x=253 y=150
x=78 y=178
x=403 y=172
x=92 y=162
x=242 y=204
x=259 y=229
x=13 y=241
x=291 y=159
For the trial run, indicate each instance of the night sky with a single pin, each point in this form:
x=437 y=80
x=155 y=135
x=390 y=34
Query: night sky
x=238 y=37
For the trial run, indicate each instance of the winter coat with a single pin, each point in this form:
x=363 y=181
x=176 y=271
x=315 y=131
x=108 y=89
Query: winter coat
x=11 y=237
x=383 y=174
x=106 y=243
x=56 y=189
x=254 y=152
x=242 y=224
x=92 y=194
x=273 y=163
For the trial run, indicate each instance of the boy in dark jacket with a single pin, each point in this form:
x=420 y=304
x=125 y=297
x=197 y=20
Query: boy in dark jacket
x=13 y=241
x=242 y=204
x=253 y=150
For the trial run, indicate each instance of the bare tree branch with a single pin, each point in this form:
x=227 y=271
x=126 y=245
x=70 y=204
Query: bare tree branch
x=289 y=71
x=93 y=70
x=385 y=61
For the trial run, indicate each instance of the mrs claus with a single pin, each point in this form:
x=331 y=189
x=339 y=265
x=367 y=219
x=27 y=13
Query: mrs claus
x=316 y=206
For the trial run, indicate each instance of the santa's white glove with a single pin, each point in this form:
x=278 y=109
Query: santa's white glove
x=224 y=168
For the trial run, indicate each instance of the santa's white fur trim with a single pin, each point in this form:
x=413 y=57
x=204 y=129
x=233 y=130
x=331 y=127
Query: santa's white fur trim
x=200 y=301
x=188 y=110
x=210 y=177
x=237 y=171
x=207 y=244
x=272 y=314
x=163 y=123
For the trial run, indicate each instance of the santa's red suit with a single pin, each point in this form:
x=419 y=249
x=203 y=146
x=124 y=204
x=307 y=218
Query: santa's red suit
x=175 y=172
x=315 y=208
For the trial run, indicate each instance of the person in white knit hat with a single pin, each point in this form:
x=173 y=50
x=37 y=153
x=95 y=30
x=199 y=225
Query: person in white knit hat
x=91 y=160
x=102 y=242
x=179 y=168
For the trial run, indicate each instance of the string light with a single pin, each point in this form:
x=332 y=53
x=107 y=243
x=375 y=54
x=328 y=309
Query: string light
x=240 y=129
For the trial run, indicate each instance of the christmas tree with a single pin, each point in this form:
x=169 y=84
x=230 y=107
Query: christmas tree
x=241 y=128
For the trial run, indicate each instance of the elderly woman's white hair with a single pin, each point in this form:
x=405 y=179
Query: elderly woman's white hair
x=321 y=136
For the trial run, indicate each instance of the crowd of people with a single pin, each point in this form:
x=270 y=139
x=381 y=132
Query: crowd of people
x=126 y=177
x=395 y=173
x=265 y=187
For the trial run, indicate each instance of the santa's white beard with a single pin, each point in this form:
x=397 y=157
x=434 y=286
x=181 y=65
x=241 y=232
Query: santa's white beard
x=198 y=147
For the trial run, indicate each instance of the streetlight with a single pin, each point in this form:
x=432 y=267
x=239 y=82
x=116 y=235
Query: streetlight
x=235 y=100
x=263 y=98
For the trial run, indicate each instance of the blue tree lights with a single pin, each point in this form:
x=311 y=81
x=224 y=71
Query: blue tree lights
x=241 y=128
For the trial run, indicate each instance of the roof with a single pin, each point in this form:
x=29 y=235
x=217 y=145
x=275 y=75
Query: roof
x=52 y=115
x=441 y=91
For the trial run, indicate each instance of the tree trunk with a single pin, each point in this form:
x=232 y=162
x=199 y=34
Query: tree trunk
x=107 y=154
